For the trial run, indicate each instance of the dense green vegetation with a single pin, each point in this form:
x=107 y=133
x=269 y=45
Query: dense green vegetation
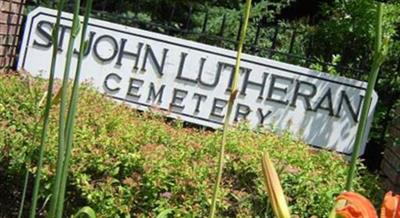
x=126 y=162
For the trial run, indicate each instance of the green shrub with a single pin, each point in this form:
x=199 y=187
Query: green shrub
x=346 y=30
x=126 y=162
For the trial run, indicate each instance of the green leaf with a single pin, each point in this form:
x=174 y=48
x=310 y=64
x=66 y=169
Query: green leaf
x=88 y=211
x=165 y=213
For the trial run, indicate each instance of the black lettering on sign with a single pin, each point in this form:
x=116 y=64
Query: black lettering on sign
x=325 y=103
x=247 y=82
x=123 y=53
x=63 y=32
x=111 y=40
x=273 y=88
x=242 y=111
x=153 y=95
x=355 y=112
x=200 y=98
x=232 y=73
x=159 y=67
x=177 y=99
x=217 y=108
x=262 y=115
x=298 y=92
x=116 y=78
x=216 y=78
x=180 y=76
x=134 y=86
x=89 y=47
x=44 y=34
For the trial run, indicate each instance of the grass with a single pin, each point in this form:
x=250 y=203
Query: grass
x=127 y=162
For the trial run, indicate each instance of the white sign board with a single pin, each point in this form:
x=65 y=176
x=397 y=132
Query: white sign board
x=190 y=81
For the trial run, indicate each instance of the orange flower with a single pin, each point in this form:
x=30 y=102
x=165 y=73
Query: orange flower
x=391 y=206
x=357 y=206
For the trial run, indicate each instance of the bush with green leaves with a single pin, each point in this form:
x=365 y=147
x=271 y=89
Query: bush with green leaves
x=139 y=164
x=346 y=30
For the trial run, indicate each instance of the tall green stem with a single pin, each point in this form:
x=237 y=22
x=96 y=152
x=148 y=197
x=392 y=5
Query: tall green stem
x=377 y=62
x=21 y=206
x=61 y=133
x=34 y=135
x=46 y=114
x=229 y=109
x=27 y=173
x=72 y=110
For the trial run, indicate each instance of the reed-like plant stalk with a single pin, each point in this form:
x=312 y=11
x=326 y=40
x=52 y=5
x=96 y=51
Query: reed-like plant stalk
x=72 y=109
x=380 y=52
x=231 y=101
x=46 y=114
x=61 y=132
x=38 y=103
x=21 y=206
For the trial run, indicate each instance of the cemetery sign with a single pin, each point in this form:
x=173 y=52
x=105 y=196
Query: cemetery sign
x=190 y=81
